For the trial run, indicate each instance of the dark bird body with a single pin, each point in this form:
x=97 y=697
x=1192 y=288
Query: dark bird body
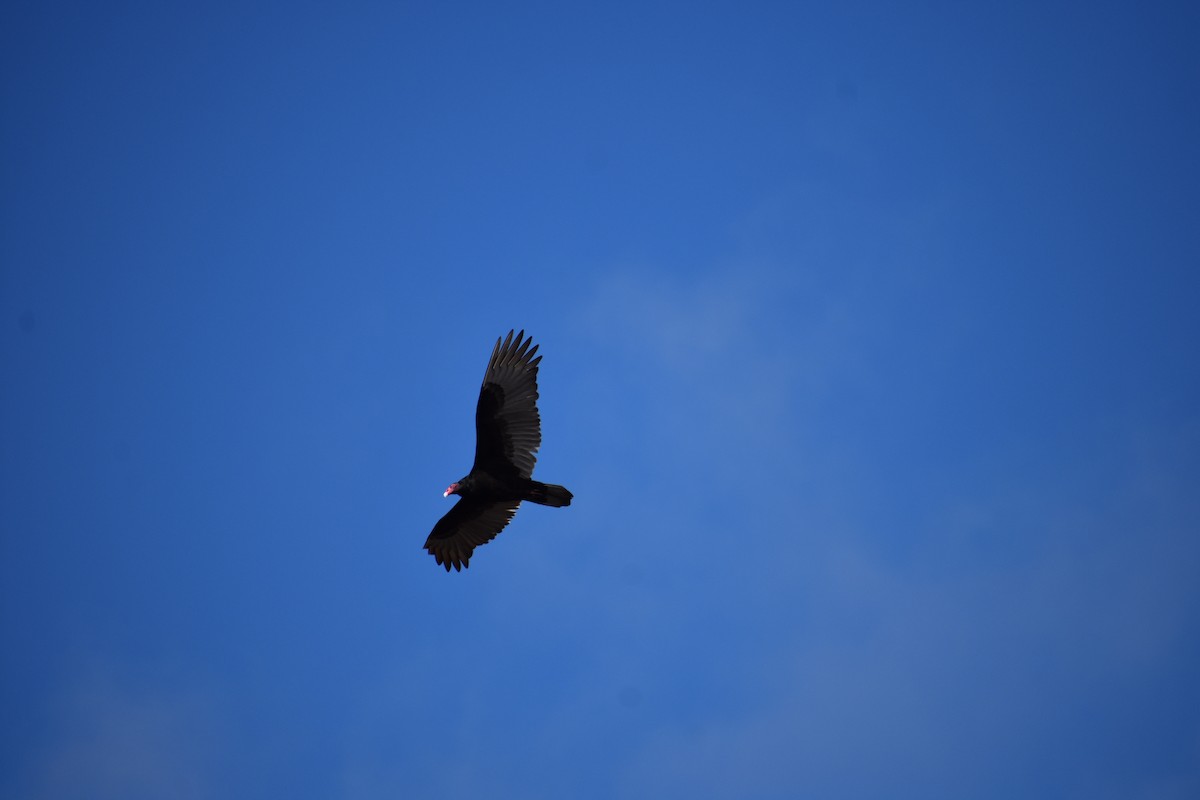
x=508 y=433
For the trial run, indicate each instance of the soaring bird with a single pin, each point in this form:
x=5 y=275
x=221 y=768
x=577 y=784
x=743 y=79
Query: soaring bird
x=508 y=433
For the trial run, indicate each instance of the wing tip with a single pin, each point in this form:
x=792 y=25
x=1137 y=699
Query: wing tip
x=447 y=560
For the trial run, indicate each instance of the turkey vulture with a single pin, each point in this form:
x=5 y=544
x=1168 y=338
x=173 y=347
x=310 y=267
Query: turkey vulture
x=508 y=433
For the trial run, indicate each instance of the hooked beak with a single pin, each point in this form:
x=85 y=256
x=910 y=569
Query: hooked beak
x=450 y=491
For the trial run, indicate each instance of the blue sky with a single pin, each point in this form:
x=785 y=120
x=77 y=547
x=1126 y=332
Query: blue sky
x=869 y=336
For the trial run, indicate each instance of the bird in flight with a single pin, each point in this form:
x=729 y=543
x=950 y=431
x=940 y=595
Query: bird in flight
x=508 y=433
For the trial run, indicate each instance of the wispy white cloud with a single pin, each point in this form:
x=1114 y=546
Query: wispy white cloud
x=712 y=366
x=110 y=737
x=944 y=635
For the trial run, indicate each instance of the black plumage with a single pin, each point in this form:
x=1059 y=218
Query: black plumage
x=508 y=433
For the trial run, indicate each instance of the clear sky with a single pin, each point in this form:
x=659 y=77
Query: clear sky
x=870 y=337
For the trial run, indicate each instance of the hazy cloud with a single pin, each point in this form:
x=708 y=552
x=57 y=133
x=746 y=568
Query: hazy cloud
x=112 y=738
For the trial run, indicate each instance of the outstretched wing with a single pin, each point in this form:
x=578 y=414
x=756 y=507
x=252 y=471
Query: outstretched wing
x=508 y=430
x=466 y=526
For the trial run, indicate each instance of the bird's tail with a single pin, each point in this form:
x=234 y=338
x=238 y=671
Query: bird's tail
x=548 y=494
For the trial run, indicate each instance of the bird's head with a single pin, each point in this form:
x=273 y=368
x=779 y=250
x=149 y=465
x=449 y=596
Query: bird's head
x=452 y=490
